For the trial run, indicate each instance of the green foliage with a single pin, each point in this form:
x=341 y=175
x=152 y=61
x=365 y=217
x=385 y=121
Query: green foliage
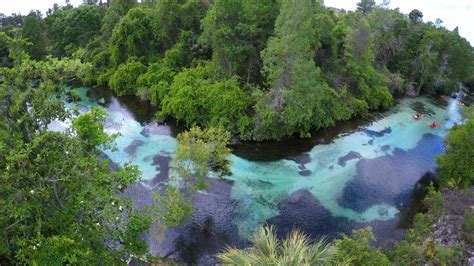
x=122 y=6
x=200 y=149
x=5 y=47
x=378 y=97
x=196 y=99
x=300 y=65
x=172 y=207
x=71 y=28
x=292 y=105
x=59 y=250
x=468 y=227
x=148 y=33
x=295 y=249
x=455 y=167
x=365 y=6
x=237 y=31
x=356 y=250
x=34 y=31
x=90 y=128
x=97 y=54
x=124 y=79
x=418 y=247
x=137 y=34
x=60 y=203
x=197 y=151
x=154 y=84
x=416 y=16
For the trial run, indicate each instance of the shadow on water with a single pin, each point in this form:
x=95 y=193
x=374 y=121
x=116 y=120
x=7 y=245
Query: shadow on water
x=131 y=106
x=291 y=148
x=141 y=111
x=415 y=204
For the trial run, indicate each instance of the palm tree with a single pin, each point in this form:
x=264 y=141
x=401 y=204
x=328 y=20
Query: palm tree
x=296 y=249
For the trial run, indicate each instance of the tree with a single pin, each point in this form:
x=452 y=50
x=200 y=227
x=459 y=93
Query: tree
x=5 y=47
x=195 y=98
x=122 y=6
x=197 y=151
x=455 y=167
x=124 y=79
x=200 y=149
x=387 y=27
x=292 y=105
x=295 y=249
x=366 y=6
x=356 y=249
x=89 y=127
x=416 y=16
x=72 y=28
x=148 y=33
x=237 y=31
x=60 y=203
x=33 y=30
x=137 y=34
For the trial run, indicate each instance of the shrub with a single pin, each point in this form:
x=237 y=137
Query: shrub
x=124 y=79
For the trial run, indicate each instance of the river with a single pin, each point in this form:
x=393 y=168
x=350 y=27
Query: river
x=361 y=173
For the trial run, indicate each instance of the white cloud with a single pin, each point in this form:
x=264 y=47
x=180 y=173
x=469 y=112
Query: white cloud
x=453 y=13
x=25 y=6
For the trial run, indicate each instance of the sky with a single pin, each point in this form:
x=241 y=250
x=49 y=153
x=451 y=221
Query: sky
x=453 y=12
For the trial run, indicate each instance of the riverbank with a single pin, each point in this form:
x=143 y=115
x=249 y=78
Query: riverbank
x=328 y=184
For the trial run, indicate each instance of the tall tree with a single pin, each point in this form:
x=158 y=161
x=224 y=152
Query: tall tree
x=237 y=31
x=72 y=28
x=292 y=104
x=365 y=6
x=416 y=16
x=33 y=30
x=122 y=6
x=60 y=204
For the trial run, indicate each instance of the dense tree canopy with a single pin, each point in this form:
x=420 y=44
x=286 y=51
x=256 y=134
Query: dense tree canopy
x=72 y=28
x=33 y=30
x=274 y=69
x=60 y=204
x=238 y=31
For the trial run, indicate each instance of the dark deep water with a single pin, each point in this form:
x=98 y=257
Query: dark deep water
x=360 y=173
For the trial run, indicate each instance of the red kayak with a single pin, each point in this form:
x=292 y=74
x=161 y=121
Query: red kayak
x=434 y=125
x=418 y=116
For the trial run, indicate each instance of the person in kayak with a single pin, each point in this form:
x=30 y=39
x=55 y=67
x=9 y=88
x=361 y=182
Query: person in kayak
x=434 y=125
x=417 y=116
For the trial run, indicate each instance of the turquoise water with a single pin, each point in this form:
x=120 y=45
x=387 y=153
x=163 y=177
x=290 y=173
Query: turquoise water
x=258 y=187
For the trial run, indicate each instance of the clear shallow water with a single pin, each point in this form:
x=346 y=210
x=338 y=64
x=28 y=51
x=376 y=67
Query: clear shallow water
x=362 y=177
x=259 y=186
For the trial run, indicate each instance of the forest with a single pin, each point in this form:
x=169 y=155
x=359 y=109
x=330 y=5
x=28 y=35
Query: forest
x=264 y=70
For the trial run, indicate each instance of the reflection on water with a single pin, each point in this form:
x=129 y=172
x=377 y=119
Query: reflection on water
x=357 y=174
